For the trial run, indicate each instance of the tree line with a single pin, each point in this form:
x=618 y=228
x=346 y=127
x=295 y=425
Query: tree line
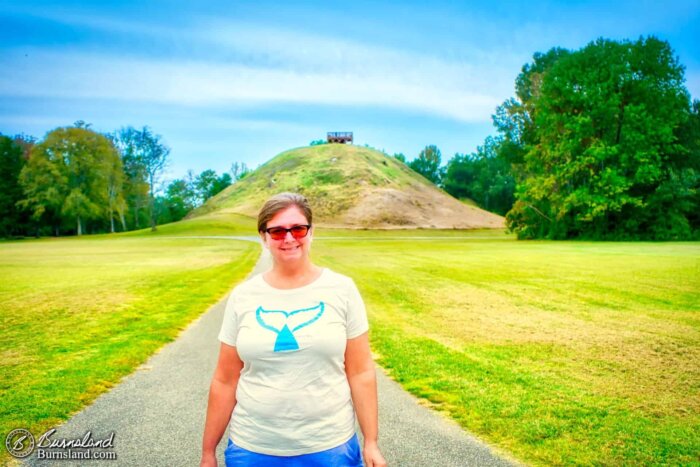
x=598 y=143
x=483 y=176
x=77 y=180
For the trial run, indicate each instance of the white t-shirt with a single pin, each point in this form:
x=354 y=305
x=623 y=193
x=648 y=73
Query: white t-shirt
x=293 y=396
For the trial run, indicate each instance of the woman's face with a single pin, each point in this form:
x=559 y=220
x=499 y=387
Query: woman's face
x=288 y=249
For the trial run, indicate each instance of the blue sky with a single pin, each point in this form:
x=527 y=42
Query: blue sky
x=242 y=81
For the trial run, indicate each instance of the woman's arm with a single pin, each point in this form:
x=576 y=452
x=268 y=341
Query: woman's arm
x=359 y=368
x=222 y=400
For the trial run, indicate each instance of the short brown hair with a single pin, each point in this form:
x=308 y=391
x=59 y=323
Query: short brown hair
x=280 y=202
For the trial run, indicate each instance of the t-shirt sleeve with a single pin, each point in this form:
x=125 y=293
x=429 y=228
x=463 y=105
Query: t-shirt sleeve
x=229 y=326
x=356 y=316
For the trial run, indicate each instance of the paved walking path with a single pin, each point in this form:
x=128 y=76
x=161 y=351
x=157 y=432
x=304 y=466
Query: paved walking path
x=157 y=413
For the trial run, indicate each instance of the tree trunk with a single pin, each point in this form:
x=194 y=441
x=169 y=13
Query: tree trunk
x=123 y=220
x=80 y=230
x=111 y=218
x=153 y=209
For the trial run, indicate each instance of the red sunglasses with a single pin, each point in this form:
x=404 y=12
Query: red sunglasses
x=280 y=233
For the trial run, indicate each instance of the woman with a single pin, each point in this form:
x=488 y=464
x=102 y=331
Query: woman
x=294 y=359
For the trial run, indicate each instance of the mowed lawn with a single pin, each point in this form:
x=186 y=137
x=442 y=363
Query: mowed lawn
x=556 y=352
x=76 y=315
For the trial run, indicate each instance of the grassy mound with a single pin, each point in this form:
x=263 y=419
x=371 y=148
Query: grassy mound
x=332 y=176
x=350 y=186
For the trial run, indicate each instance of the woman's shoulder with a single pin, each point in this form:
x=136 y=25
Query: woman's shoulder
x=338 y=278
x=251 y=284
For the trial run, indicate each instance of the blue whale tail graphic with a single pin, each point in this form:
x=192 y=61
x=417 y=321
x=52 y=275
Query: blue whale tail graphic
x=285 y=340
x=279 y=322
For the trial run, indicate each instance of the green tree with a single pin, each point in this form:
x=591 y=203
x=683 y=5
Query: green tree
x=204 y=184
x=145 y=157
x=208 y=184
x=135 y=187
x=155 y=157
x=484 y=177
x=183 y=195
x=690 y=139
x=116 y=203
x=44 y=190
x=399 y=156
x=428 y=164
x=13 y=219
x=239 y=170
x=224 y=181
x=179 y=199
x=595 y=140
x=68 y=176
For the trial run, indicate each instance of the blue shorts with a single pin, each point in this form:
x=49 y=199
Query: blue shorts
x=346 y=455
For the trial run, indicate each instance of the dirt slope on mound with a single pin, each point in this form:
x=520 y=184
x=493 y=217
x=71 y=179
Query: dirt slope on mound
x=415 y=207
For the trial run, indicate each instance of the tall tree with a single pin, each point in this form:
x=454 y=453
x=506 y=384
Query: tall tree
x=145 y=157
x=13 y=219
x=68 y=174
x=595 y=141
x=689 y=136
x=428 y=164
x=115 y=192
x=155 y=157
x=135 y=187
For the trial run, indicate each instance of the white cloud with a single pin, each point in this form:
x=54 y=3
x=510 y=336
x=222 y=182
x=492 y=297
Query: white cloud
x=469 y=69
x=233 y=63
x=31 y=120
x=426 y=88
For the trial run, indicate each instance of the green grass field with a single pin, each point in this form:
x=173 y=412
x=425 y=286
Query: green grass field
x=215 y=223
x=556 y=352
x=79 y=314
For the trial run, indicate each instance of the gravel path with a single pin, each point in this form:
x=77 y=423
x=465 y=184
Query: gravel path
x=157 y=413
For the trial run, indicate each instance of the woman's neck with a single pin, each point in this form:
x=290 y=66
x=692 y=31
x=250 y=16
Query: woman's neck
x=292 y=275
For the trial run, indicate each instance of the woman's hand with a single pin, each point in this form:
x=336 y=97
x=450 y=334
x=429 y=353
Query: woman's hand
x=208 y=460
x=373 y=457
